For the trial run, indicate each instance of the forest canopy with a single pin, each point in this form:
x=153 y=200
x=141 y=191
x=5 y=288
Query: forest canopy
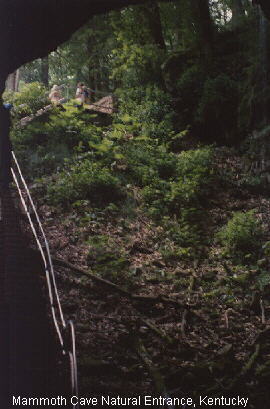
x=196 y=53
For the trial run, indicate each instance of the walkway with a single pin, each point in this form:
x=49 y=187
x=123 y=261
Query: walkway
x=29 y=357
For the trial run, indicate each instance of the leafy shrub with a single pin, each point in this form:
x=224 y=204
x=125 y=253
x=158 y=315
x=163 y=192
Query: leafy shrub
x=145 y=161
x=85 y=181
x=109 y=261
x=45 y=143
x=254 y=183
x=191 y=182
x=136 y=64
x=150 y=109
x=242 y=235
x=217 y=105
x=189 y=90
x=43 y=161
x=186 y=236
x=30 y=99
x=73 y=127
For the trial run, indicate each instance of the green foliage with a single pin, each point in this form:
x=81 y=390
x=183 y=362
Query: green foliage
x=191 y=183
x=85 y=181
x=47 y=141
x=218 y=105
x=189 y=88
x=263 y=280
x=108 y=261
x=125 y=25
x=146 y=160
x=135 y=64
x=41 y=161
x=86 y=57
x=73 y=126
x=29 y=100
x=150 y=109
x=170 y=182
x=185 y=238
x=255 y=184
x=266 y=248
x=241 y=237
x=136 y=57
x=207 y=100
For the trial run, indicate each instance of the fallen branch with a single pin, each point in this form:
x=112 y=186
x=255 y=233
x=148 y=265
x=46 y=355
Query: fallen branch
x=93 y=277
x=191 y=287
x=226 y=268
x=183 y=323
x=122 y=291
x=263 y=311
x=246 y=368
x=185 y=313
x=153 y=371
x=239 y=377
x=251 y=361
x=226 y=317
x=157 y=331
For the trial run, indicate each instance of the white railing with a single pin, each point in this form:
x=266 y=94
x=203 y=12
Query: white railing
x=64 y=330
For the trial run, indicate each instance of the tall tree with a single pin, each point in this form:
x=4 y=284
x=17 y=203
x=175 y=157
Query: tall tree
x=86 y=57
x=238 y=12
x=154 y=21
x=265 y=5
x=138 y=54
x=45 y=71
x=264 y=64
x=12 y=83
x=201 y=23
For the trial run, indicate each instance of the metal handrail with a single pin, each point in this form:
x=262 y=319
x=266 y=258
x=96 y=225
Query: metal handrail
x=51 y=269
x=73 y=362
x=68 y=347
x=43 y=258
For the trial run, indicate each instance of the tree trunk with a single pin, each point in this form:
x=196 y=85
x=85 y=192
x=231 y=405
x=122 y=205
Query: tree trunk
x=238 y=12
x=203 y=26
x=45 y=71
x=265 y=5
x=155 y=25
x=264 y=64
x=12 y=83
x=185 y=31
